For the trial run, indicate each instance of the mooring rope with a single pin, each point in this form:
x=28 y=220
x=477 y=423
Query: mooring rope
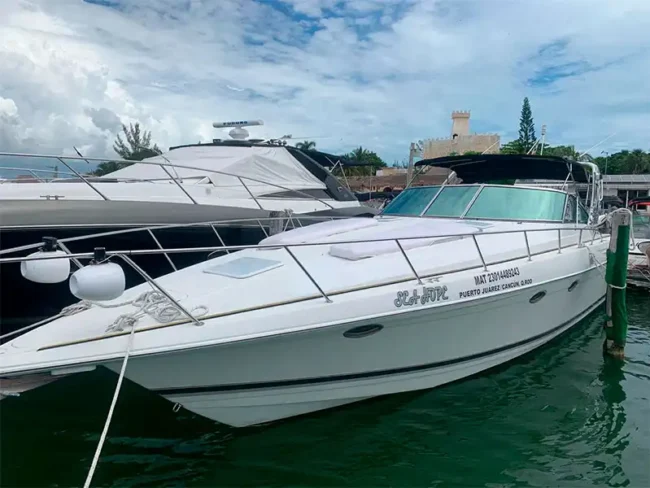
x=157 y=306
x=102 y=438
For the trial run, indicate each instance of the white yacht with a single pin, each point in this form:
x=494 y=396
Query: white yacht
x=230 y=190
x=448 y=281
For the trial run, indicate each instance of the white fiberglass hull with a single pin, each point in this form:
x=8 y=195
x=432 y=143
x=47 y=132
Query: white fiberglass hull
x=278 y=377
x=273 y=346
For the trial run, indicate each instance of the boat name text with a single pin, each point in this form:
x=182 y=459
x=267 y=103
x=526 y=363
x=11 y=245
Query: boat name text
x=429 y=294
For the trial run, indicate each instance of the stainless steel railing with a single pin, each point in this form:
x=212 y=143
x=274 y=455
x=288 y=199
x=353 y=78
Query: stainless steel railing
x=164 y=167
x=321 y=292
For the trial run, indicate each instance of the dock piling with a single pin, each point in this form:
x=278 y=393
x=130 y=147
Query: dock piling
x=616 y=277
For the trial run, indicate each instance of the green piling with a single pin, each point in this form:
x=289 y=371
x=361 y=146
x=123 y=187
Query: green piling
x=616 y=278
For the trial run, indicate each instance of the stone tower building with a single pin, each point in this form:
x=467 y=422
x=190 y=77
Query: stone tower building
x=461 y=140
x=459 y=124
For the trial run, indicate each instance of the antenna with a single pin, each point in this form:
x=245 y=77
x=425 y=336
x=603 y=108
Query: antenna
x=237 y=132
x=596 y=145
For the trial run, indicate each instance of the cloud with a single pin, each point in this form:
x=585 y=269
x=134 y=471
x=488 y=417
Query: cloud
x=377 y=73
x=104 y=119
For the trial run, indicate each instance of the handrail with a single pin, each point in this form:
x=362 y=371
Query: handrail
x=125 y=256
x=250 y=193
x=173 y=165
x=139 y=252
x=84 y=179
x=96 y=179
x=408 y=261
x=304 y=270
x=32 y=170
x=179 y=185
x=155 y=239
x=153 y=283
x=256 y=220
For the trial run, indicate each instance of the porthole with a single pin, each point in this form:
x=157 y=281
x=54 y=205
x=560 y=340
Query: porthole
x=362 y=331
x=573 y=285
x=537 y=297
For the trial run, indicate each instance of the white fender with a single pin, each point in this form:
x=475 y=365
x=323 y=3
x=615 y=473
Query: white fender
x=98 y=282
x=46 y=270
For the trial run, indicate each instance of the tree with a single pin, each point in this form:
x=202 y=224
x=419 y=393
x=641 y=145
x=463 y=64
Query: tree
x=625 y=162
x=139 y=143
x=362 y=155
x=306 y=145
x=526 y=127
x=512 y=147
x=371 y=158
x=139 y=148
x=568 y=152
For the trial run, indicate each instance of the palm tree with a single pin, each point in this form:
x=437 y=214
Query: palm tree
x=139 y=144
x=306 y=145
x=136 y=148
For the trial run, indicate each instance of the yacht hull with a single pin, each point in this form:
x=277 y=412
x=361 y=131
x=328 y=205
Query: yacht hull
x=268 y=379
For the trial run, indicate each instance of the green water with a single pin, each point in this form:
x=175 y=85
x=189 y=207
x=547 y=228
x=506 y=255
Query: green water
x=561 y=416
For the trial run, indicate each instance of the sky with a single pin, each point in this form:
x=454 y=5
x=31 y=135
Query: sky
x=376 y=73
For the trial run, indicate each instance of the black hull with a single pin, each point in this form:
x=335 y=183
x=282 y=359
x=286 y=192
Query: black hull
x=23 y=302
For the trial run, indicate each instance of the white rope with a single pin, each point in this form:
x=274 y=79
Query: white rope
x=152 y=303
x=157 y=306
x=102 y=438
x=601 y=265
x=598 y=264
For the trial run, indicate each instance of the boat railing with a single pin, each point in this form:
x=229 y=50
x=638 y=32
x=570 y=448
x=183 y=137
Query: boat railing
x=34 y=172
x=285 y=221
x=126 y=256
x=91 y=181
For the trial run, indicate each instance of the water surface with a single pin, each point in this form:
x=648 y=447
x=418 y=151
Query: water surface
x=560 y=416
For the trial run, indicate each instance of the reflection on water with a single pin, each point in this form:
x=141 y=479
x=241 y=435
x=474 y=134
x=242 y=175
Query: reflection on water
x=562 y=416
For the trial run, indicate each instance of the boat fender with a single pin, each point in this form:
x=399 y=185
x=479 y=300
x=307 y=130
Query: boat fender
x=98 y=282
x=46 y=270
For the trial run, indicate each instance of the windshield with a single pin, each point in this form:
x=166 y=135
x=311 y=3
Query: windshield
x=518 y=204
x=412 y=201
x=452 y=201
x=486 y=202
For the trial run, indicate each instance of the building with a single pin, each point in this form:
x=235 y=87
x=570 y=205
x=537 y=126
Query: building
x=397 y=181
x=461 y=141
x=390 y=171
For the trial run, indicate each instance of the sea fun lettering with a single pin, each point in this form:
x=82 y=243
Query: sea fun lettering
x=495 y=281
x=429 y=294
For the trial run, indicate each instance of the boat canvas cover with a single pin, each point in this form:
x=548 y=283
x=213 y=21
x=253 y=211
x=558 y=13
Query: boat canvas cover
x=479 y=168
x=273 y=165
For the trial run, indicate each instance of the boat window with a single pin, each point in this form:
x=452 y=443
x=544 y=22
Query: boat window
x=583 y=215
x=641 y=225
x=516 y=203
x=412 y=201
x=571 y=210
x=452 y=201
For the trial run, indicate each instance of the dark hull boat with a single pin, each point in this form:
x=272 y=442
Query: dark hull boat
x=205 y=203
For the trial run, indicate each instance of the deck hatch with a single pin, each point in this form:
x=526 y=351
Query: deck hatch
x=244 y=267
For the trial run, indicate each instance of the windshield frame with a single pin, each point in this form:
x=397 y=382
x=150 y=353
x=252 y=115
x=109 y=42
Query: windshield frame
x=481 y=186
